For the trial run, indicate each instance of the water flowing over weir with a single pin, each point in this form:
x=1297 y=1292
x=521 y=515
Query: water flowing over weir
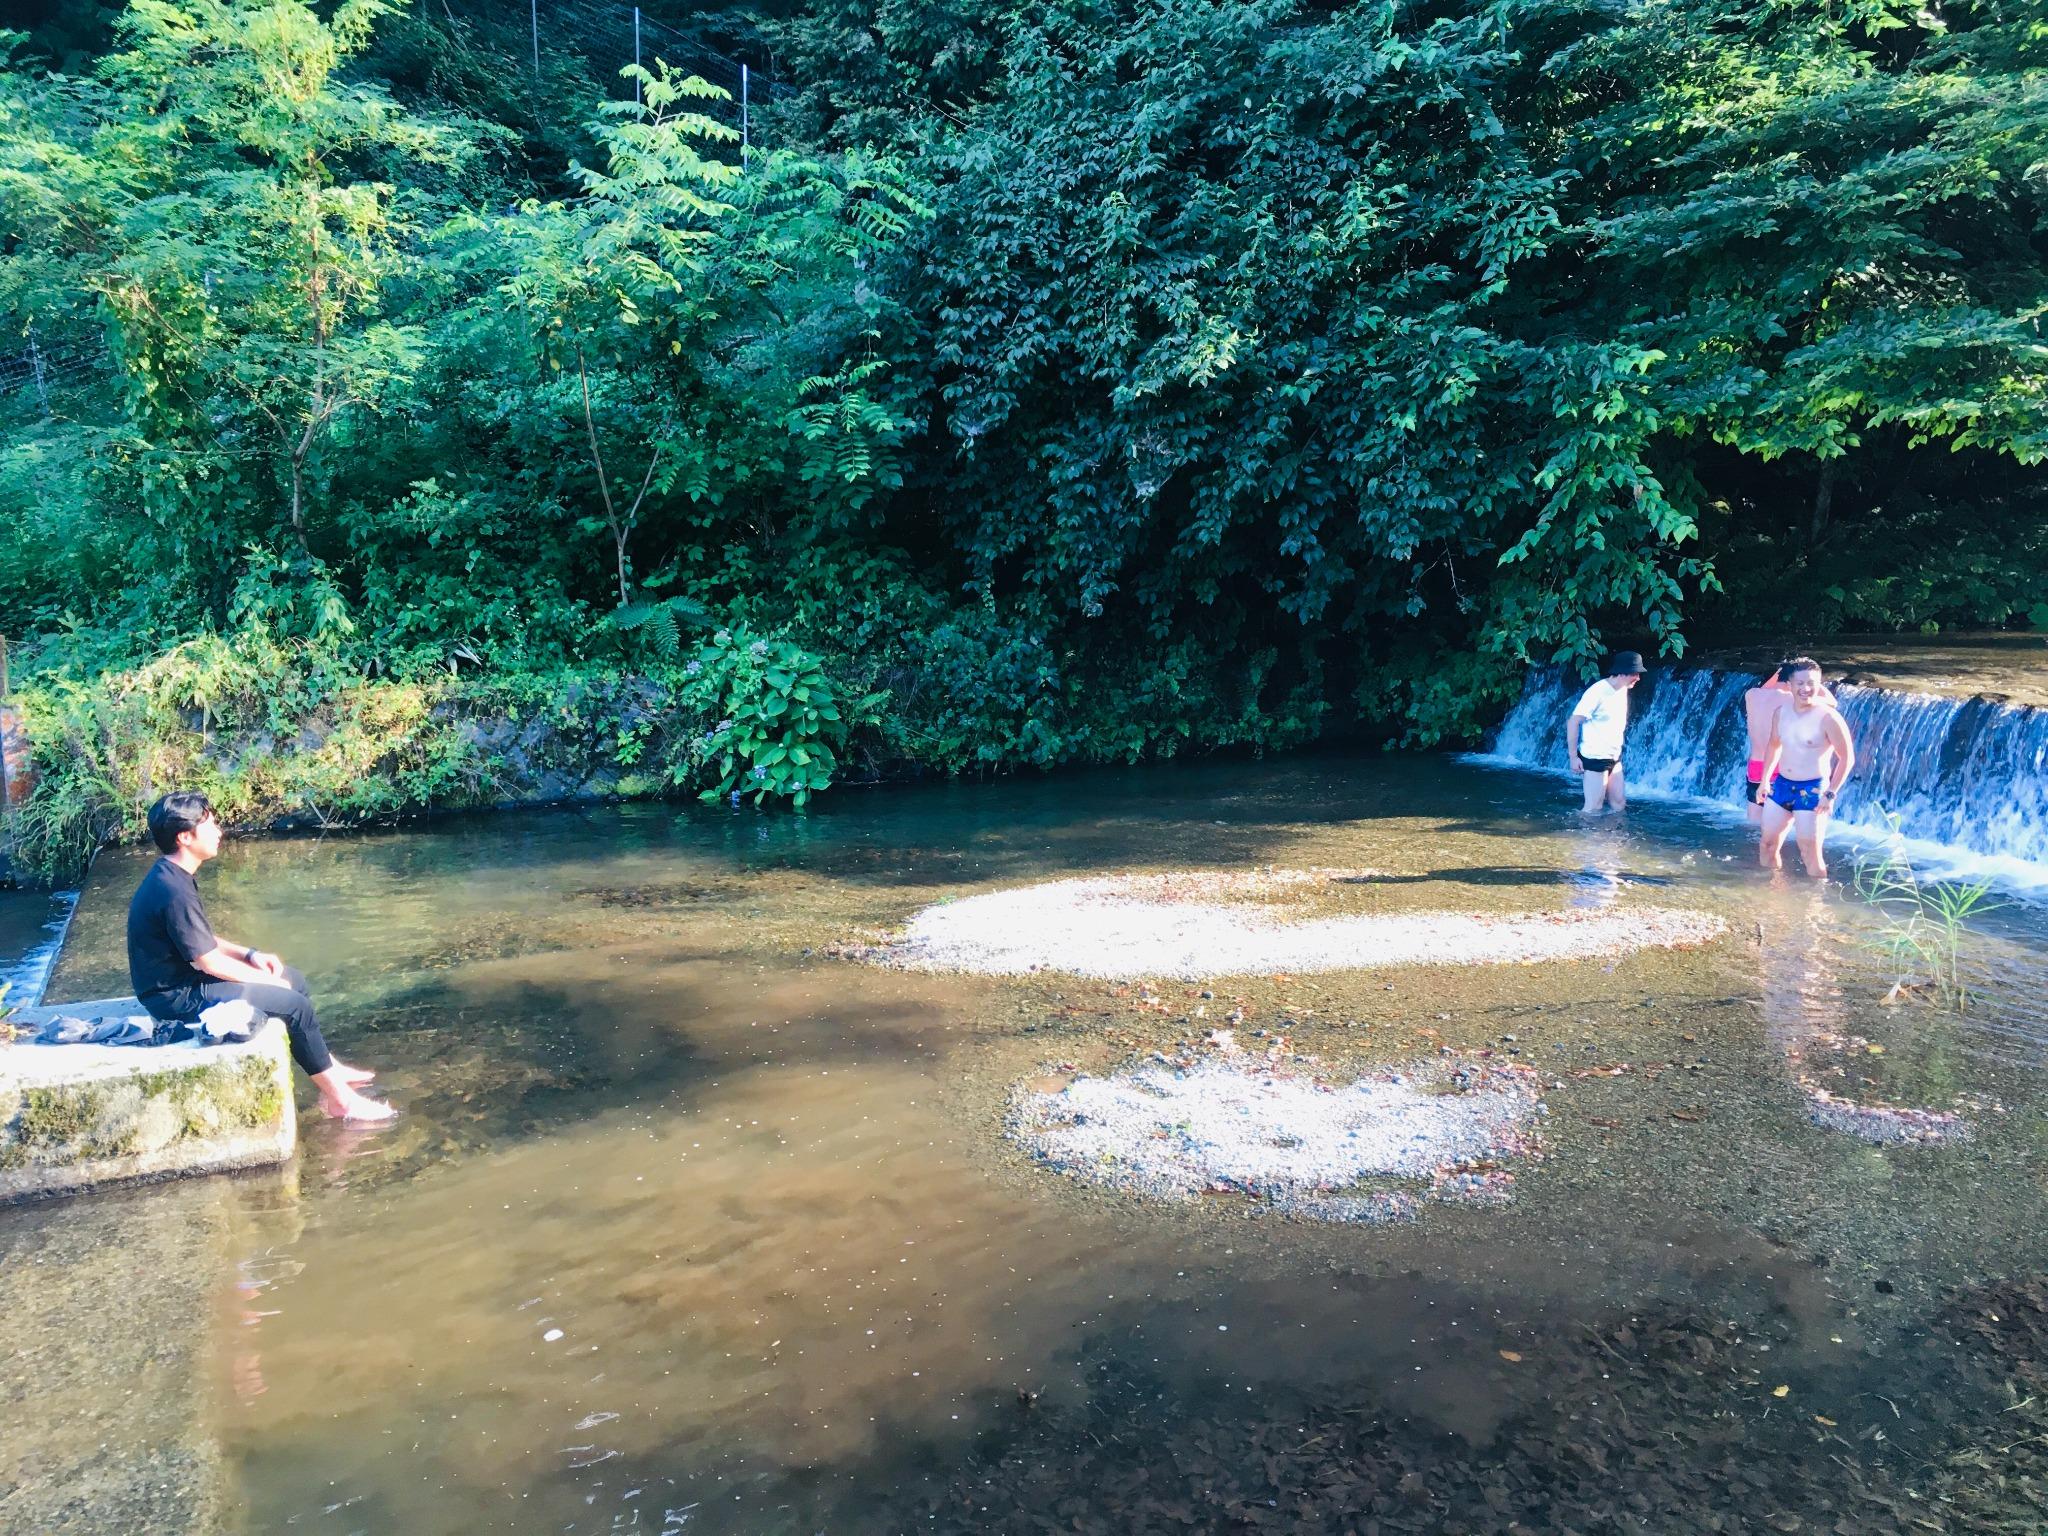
x=1968 y=778
x=32 y=930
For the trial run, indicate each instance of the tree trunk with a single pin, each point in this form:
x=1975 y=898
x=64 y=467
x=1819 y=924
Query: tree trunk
x=298 y=506
x=298 y=509
x=621 y=532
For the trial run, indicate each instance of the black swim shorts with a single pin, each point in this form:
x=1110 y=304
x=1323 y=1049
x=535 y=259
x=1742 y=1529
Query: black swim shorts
x=1600 y=764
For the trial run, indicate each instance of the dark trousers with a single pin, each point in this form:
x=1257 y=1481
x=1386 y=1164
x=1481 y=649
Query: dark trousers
x=288 y=999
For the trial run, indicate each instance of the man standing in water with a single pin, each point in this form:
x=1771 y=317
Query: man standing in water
x=1759 y=708
x=179 y=968
x=1807 y=759
x=1592 y=736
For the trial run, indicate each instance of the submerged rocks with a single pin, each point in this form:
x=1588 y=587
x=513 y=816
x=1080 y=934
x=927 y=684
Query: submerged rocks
x=1300 y=1143
x=1868 y=1119
x=1882 y=1124
x=1199 y=924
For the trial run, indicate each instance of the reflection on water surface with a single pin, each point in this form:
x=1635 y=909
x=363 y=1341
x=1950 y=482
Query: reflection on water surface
x=689 y=1226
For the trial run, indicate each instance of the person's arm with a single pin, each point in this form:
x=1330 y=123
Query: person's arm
x=227 y=962
x=271 y=965
x=1572 y=727
x=1845 y=757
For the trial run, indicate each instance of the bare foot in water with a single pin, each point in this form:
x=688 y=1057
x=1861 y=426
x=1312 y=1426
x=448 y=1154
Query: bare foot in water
x=347 y=1104
x=354 y=1077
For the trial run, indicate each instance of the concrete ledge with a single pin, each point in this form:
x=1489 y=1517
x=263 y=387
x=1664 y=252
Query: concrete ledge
x=78 y=1117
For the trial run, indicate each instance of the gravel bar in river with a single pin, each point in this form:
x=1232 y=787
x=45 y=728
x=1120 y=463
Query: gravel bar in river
x=1234 y=1123
x=1185 y=927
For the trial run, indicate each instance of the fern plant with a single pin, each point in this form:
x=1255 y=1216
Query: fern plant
x=658 y=625
x=846 y=436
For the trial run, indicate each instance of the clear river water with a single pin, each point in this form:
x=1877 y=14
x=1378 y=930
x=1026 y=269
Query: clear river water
x=691 y=1224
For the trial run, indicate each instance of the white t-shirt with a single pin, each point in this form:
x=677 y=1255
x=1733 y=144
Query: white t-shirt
x=1604 y=708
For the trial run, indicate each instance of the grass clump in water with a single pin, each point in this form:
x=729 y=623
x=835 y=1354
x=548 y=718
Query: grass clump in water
x=1924 y=922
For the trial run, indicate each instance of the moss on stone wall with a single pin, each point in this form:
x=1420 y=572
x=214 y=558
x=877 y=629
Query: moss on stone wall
x=120 y=1117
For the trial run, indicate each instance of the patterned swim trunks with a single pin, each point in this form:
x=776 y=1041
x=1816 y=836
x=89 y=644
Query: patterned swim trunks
x=1796 y=794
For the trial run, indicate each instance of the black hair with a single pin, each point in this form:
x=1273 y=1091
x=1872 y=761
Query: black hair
x=1799 y=664
x=180 y=811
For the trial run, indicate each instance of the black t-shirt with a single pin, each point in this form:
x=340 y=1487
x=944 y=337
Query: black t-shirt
x=167 y=931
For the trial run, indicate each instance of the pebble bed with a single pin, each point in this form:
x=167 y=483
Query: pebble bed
x=1883 y=1125
x=1872 y=1120
x=1186 y=926
x=1230 y=1123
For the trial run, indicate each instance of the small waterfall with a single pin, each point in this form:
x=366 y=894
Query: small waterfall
x=1968 y=778
x=27 y=975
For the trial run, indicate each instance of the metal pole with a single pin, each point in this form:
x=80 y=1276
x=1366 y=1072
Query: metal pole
x=745 y=141
x=534 y=8
x=35 y=363
x=636 y=49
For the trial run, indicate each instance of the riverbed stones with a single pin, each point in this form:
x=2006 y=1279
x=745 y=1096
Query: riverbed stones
x=79 y=1117
x=1192 y=925
x=122 y=1312
x=1324 y=1148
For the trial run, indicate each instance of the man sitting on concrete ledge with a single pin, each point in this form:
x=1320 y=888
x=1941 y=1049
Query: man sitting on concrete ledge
x=180 y=968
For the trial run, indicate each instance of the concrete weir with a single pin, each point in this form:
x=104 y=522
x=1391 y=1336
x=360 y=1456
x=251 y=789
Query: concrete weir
x=79 y=1117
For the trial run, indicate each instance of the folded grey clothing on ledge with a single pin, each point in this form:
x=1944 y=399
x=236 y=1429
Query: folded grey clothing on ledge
x=135 y=1029
x=229 y=1023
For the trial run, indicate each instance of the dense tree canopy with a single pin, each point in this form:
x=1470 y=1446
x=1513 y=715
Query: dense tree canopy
x=1085 y=379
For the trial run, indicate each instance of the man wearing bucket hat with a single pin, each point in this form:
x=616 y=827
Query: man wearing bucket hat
x=1592 y=736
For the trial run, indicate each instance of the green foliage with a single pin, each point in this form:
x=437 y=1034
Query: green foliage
x=240 y=244
x=657 y=624
x=848 y=437
x=266 y=727
x=1093 y=383
x=295 y=733
x=781 y=723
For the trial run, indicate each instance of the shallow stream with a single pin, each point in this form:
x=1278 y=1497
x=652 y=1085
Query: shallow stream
x=690 y=1224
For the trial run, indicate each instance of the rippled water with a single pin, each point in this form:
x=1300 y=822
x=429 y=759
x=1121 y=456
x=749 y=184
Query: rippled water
x=688 y=1225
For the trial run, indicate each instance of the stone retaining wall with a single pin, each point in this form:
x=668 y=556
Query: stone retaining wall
x=78 y=1117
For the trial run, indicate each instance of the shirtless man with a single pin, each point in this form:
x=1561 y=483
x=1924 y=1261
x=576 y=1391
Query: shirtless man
x=1807 y=759
x=1759 y=708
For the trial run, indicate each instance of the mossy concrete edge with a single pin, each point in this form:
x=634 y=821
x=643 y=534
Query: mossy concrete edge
x=75 y=1118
